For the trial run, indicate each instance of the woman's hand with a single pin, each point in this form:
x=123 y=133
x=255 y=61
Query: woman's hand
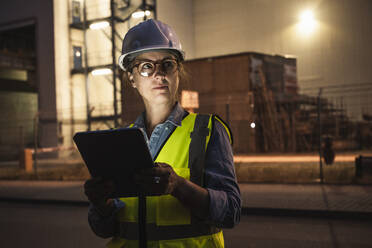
x=162 y=180
x=159 y=180
x=98 y=192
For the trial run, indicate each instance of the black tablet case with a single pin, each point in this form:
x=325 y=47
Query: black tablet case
x=115 y=155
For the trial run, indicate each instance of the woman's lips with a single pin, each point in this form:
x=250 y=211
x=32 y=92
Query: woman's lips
x=160 y=87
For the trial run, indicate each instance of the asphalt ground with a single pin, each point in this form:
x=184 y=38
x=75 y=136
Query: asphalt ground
x=56 y=225
x=313 y=200
x=53 y=214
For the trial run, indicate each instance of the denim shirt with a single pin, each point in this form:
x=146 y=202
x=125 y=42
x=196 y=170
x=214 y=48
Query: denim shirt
x=220 y=178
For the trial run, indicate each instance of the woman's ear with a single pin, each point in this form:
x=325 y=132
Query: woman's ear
x=131 y=80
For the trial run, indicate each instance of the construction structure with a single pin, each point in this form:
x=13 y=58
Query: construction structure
x=53 y=88
x=100 y=58
x=258 y=96
x=244 y=89
x=51 y=61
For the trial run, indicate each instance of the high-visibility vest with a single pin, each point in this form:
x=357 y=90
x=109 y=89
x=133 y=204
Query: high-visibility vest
x=169 y=223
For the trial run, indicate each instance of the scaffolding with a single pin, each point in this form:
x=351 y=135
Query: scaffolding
x=119 y=12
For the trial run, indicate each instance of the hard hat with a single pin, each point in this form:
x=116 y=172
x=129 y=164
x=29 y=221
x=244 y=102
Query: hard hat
x=149 y=35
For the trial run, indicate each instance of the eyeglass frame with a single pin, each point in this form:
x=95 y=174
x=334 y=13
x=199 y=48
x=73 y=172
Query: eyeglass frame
x=155 y=63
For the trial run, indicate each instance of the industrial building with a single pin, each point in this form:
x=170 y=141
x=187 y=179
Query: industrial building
x=59 y=73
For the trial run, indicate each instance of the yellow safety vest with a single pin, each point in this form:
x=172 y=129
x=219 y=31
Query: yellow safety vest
x=169 y=223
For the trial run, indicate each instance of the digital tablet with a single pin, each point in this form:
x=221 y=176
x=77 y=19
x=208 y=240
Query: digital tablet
x=115 y=155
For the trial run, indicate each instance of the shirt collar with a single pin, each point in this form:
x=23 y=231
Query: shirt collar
x=174 y=118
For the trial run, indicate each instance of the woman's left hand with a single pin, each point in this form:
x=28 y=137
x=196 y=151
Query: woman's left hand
x=162 y=180
x=159 y=180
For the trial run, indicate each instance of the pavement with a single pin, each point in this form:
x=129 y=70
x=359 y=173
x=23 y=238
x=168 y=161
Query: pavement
x=312 y=200
x=298 y=157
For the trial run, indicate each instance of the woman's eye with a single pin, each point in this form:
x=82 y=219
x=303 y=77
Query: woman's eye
x=167 y=64
x=147 y=66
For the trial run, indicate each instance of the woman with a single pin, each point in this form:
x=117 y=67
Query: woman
x=194 y=179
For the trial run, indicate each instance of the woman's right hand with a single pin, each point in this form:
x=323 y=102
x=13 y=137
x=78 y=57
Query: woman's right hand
x=98 y=192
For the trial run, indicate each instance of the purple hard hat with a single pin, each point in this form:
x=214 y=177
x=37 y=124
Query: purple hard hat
x=149 y=35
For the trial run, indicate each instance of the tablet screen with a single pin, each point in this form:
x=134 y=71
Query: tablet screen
x=115 y=155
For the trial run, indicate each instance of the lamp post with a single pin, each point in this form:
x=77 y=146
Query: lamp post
x=320 y=136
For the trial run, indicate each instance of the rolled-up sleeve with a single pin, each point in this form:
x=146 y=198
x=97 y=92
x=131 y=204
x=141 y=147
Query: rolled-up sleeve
x=220 y=180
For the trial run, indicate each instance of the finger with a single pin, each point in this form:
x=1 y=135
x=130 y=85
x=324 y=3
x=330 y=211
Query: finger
x=149 y=172
x=162 y=171
x=153 y=188
x=144 y=179
x=153 y=185
x=162 y=165
x=155 y=171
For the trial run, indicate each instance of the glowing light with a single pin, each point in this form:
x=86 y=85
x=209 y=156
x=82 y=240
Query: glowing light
x=253 y=125
x=104 y=71
x=141 y=14
x=99 y=25
x=307 y=22
x=77 y=54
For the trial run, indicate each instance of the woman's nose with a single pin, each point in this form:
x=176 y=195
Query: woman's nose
x=159 y=72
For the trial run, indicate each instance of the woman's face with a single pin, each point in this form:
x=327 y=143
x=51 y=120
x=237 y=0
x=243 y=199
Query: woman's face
x=160 y=87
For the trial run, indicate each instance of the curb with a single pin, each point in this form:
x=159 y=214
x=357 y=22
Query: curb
x=44 y=201
x=328 y=214
x=276 y=212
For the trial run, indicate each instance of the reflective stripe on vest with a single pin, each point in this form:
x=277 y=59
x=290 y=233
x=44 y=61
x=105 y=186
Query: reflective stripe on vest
x=167 y=219
x=128 y=230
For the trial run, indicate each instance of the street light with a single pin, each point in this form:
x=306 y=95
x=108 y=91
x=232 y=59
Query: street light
x=307 y=22
x=141 y=14
x=99 y=72
x=99 y=25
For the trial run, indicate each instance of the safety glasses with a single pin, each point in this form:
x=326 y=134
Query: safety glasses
x=147 y=68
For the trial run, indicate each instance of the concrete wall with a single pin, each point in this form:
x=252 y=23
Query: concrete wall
x=41 y=12
x=179 y=15
x=339 y=42
x=18 y=111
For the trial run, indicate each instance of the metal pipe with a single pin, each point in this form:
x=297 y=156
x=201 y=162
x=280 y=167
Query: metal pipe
x=154 y=9
x=320 y=137
x=143 y=7
x=36 y=135
x=86 y=65
x=113 y=51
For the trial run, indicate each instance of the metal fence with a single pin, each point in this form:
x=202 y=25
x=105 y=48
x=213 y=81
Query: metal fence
x=263 y=122
x=339 y=117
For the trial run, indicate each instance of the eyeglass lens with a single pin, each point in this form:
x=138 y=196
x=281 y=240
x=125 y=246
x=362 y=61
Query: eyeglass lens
x=148 y=68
